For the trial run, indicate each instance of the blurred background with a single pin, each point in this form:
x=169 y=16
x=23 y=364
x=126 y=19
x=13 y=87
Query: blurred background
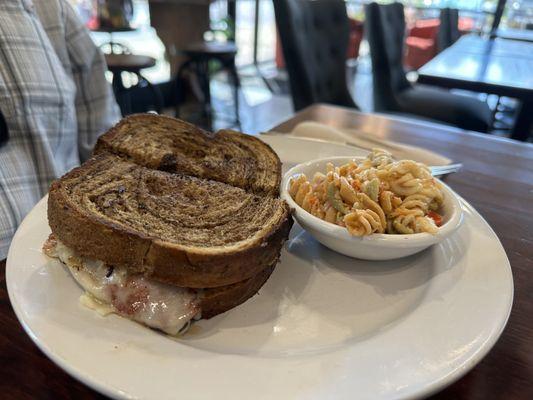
x=203 y=58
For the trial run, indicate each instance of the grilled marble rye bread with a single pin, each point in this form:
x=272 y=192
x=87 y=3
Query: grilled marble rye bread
x=179 y=222
x=178 y=205
x=172 y=145
x=174 y=228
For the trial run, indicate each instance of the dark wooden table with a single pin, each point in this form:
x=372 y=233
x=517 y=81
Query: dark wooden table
x=497 y=66
x=497 y=180
x=118 y=63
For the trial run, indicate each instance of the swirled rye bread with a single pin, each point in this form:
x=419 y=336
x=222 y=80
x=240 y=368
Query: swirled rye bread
x=162 y=210
x=169 y=144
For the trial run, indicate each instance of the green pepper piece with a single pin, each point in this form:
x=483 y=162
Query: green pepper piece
x=371 y=189
x=335 y=202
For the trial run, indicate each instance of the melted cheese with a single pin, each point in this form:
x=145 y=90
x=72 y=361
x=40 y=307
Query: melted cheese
x=94 y=304
x=111 y=289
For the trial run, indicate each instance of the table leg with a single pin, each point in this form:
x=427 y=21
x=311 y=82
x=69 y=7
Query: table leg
x=236 y=85
x=522 y=126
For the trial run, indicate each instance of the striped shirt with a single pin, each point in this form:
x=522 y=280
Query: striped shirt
x=54 y=99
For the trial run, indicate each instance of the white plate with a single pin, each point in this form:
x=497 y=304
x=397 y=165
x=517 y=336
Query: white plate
x=324 y=325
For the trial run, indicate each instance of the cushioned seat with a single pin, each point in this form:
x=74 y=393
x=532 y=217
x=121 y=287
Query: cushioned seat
x=395 y=94
x=439 y=104
x=420 y=44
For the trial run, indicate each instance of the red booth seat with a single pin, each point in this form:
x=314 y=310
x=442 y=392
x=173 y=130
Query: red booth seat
x=421 y=40
x=421 y=43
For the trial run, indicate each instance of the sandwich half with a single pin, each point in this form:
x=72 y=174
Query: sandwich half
x=165 y=246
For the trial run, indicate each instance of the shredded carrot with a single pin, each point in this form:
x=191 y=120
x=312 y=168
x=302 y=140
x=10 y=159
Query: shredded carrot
x=435 y=217
x=356 y=184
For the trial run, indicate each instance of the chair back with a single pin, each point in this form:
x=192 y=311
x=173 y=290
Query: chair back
x=449 y=28
x=385 y=28
x=314 y=38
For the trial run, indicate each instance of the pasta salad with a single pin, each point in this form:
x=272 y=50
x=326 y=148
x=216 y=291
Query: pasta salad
x=376 y=195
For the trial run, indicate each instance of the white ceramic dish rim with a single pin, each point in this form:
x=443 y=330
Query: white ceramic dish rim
x=454 y=221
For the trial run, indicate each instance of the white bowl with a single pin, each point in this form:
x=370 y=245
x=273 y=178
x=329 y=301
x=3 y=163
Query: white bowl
x=378 y=246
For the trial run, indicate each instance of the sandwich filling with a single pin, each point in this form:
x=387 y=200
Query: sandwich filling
x=110 y=289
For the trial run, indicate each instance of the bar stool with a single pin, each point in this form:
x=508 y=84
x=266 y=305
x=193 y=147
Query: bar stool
x=199 y=55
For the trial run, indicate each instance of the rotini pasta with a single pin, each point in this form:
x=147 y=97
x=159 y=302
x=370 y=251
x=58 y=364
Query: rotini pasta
x=377 y=195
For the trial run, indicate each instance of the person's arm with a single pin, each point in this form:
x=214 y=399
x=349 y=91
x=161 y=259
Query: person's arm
x=96 y=107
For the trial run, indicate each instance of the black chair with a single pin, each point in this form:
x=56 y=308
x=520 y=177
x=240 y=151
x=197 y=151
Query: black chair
x=393 y=93
x=314 y=36
x=448 y=32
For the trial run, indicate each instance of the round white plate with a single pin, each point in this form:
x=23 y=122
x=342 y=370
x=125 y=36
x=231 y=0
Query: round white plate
x=324 y=325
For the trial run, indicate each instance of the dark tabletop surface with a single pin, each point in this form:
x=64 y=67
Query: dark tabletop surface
x=497 y=180
x=128 y=62
x=499 y=66
x=210 y=48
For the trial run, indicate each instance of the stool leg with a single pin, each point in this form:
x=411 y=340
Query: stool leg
x=207 y=91
x=236 y=87
x=179 y=79
x=158 y=97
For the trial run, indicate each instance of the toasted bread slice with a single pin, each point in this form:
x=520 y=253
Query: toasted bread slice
x=169 y=144
x=218 y=300
x=174 y=228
